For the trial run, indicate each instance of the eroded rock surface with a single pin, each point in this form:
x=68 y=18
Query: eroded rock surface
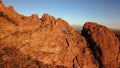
x=47 y=42
x=103 y=43
x=33 y=42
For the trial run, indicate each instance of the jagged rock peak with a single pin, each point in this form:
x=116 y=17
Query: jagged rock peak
x=34 y=42
x=3 y=7
x=47 y=17
x=1 y=4
x=103 y=43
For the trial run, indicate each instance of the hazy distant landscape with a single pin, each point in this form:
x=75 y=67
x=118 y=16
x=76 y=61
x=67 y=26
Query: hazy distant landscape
x=78 y=29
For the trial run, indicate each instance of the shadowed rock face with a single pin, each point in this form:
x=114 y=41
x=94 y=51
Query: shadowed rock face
x=33 y=42
x=103 y=44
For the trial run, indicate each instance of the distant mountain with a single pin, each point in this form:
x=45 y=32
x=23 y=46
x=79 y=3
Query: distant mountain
x=115 y=28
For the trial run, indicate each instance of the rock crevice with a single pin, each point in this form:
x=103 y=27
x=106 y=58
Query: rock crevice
x=103 y=44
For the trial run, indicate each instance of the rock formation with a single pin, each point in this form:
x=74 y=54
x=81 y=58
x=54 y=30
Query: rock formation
x=33 y=42
x=103 y=44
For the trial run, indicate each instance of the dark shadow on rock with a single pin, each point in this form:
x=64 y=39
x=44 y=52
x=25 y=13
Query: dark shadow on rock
x=94 y=48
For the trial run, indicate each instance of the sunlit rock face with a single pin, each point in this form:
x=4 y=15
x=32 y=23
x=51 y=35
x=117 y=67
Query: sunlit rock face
x=103 y=43
x=33 y=42
x=47 y=42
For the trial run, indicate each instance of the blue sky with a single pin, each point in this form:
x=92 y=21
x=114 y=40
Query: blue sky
x=75 y=12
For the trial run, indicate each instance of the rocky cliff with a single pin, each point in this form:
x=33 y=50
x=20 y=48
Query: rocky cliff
x=46 y=42
x=103 y=44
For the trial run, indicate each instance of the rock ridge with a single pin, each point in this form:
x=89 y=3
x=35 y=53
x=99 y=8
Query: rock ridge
x=47 y=42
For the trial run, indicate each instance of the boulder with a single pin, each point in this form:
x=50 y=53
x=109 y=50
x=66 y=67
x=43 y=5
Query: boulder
x=103 y=43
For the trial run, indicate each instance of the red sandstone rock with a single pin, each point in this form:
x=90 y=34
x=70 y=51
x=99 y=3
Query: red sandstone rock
x=103 y=43
x=33 y=42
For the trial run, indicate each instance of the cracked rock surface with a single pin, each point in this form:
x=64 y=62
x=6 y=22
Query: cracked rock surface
x=47 y=42
x=103 y=43
x=33 y=42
